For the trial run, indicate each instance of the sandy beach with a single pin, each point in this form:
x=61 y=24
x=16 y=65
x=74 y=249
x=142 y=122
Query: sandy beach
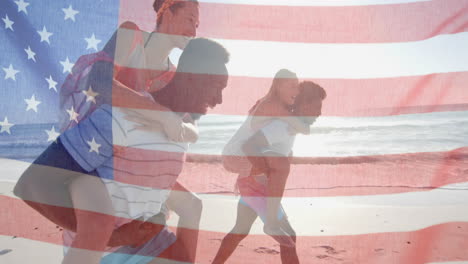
x=367 y=221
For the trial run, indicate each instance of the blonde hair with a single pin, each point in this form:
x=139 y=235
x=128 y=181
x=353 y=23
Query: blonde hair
x=280 y=76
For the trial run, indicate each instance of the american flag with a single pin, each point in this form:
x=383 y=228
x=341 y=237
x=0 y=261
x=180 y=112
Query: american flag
x=375 y=58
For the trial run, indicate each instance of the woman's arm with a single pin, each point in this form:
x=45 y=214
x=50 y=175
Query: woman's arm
x=149 y=114
x=269 y=110
x=172 y=124
x=296 y=124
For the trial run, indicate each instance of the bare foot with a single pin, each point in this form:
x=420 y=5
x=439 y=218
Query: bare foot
x=125 y=234
x=134 y=234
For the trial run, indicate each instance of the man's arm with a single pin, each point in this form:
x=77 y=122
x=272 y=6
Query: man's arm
x=252 y=149
x=271 y=163
x=257 y=147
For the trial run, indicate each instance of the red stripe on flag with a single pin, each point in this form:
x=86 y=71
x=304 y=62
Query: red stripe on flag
x=347 y=97
x=362 y=97
x=315 y=177
x=346 y=24
x=444 y=242
x=148 y=168
x=366 y=175
x=318 y=24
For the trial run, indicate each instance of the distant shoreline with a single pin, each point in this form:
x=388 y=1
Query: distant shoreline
x=457 y=154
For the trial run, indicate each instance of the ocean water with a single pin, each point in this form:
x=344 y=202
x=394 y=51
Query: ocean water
x=330 y=136
x=356 y=136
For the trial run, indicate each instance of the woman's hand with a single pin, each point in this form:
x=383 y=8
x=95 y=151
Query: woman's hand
x=164 y=121
x=143 y=120
x=296 y=125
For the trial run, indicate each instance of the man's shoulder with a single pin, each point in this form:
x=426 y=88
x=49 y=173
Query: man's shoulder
x=276 y=131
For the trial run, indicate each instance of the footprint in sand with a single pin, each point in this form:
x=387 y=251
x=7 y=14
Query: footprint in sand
x=379 y=251
x=331 y=250
x=264 y=250
x=326 y=257
x=5 y=251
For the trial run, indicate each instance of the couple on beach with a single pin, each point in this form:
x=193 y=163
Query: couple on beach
x=129 y=116
x=110 y=179
x=260 y=151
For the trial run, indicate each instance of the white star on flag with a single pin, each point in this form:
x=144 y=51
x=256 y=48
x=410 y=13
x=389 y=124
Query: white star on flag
x=8 y=23
x=22 y=6
x=45 y=35
x=52 y=134
x=32 y=103
x=70 y=13
x=30 y=53
x=10 y=73
x=67 y=65
x=90 y=95
x=5 y=126
x=92 y=42
x=73 y=115
x=93 y=146
x=52 y=83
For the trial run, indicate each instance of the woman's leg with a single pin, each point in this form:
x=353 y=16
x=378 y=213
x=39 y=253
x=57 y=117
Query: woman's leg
x=44 y=185
x=95 y=220
x=245 y=218
x=189 y=209
x=43 y=188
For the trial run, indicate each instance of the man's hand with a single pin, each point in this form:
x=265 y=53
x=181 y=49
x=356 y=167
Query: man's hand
x=259 y=166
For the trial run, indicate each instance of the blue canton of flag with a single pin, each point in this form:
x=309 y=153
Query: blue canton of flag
x=41 y=41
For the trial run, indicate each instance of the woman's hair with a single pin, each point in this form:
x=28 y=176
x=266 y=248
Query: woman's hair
x=281 y=75
x=309 y=91
x=176 y=5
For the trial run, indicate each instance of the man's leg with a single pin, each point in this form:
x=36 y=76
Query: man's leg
x=288 y=254
x=189 y=209
x=95 y=220
x=279 y=168
x=245 y=219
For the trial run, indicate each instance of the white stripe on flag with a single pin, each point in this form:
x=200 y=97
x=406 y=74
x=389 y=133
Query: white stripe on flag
x=445 y=53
